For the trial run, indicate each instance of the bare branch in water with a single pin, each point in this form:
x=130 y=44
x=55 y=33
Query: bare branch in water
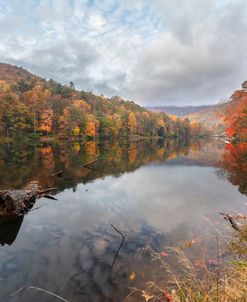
x=59 y=174
x=232 y=221
x=49 y=197
x=87 y=166
x=120 y=246
x=39 y=289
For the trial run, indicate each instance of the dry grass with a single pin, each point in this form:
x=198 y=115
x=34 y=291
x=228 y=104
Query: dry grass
x=227 y=282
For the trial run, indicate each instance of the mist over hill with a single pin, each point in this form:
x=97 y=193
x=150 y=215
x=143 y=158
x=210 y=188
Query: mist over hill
x=210 y=117
x=180 y=111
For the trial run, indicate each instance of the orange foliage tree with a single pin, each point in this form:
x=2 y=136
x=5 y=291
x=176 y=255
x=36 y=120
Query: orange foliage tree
x=91 y=125
x=45 y=123
x=36 y=99
x=236 y=115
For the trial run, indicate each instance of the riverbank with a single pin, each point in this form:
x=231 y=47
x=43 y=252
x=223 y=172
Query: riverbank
x=57 y=138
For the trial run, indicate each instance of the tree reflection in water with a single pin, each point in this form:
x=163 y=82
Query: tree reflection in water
x=22 y=163
x=233 y=165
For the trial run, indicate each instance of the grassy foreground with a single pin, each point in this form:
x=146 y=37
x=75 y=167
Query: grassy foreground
x=226 y=282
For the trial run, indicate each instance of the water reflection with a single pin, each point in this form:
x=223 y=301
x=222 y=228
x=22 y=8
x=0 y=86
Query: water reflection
x=20 y=163
x=67 y=246
x=233 y=165
x=23 y=163
x=9 y=230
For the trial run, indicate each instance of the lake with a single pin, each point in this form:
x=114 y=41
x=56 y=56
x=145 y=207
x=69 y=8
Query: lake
x=155 y=193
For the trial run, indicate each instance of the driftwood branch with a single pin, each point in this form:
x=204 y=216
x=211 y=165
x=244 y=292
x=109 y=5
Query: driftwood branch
x=120 y=246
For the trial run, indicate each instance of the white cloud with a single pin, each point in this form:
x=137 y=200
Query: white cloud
x=96 y=21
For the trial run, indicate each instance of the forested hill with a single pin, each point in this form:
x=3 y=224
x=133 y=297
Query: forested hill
x=13 y=74
x=34 y=106
x=211 y=119
x=227 y=118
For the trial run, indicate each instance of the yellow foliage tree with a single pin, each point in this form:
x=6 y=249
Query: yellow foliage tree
x=117 y=123
x=132 y=123
x=161 y=123
x=76 y=131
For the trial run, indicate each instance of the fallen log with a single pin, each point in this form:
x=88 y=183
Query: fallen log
x=14 y=203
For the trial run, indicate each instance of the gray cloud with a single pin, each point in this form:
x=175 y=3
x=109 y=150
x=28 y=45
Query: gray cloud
x=201 y=58
x=164 y=52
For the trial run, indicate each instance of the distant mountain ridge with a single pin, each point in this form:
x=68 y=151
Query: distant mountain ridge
x=210 y=117
x=181 y=111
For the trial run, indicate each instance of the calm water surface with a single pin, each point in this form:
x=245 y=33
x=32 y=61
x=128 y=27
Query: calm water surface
x=159 y=194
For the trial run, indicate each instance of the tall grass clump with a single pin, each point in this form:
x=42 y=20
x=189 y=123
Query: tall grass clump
x=226 y=281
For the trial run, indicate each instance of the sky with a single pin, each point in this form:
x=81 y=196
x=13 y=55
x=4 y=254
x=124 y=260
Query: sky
x=155 y=52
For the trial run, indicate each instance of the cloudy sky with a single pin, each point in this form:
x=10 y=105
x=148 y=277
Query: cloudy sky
x=157 y=52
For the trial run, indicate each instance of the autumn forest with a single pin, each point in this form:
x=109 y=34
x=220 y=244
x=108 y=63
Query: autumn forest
x=31 y=105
